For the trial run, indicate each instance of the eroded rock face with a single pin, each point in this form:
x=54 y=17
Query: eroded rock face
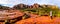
x=5 y=14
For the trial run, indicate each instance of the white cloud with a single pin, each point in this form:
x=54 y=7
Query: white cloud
x=14 y=2
x=8 y=2
x=3 y=2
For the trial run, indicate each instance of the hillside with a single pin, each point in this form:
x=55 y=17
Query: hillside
x=30 y=14
x=38 y=9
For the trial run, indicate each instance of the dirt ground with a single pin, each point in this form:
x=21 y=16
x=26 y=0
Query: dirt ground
x=40 y=20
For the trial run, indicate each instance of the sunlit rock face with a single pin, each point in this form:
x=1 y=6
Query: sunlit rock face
x=10 y=14
x=4 y=14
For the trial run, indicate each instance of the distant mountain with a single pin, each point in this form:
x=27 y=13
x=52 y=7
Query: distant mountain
x=24 y=6
x=35 y=5
x=4 y=7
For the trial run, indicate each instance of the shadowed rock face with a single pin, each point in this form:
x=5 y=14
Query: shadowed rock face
x=20 y=6
x=35 y=5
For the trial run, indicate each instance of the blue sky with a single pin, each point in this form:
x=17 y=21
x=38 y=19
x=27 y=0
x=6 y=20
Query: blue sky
x=11 y=3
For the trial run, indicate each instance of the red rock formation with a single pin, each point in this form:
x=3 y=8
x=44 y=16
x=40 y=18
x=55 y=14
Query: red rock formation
x=35 y=5
x=26 y=6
